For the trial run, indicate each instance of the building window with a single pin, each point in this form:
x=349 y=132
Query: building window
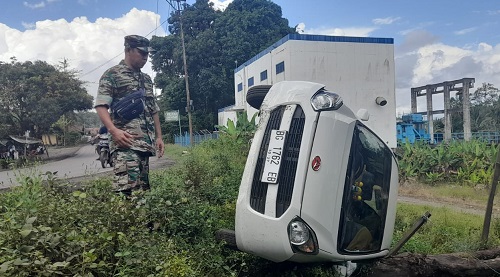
x=263 y=75
x=240 y=86
x=280 y=67
x=250 y=81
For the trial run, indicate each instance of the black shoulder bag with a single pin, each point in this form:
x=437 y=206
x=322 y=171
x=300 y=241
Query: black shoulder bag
x=132 y=105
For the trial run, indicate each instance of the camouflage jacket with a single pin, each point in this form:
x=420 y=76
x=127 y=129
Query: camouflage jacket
x=114 y=84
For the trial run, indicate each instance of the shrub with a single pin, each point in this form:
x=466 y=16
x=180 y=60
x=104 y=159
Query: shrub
x=466 y=162
x=60 y=229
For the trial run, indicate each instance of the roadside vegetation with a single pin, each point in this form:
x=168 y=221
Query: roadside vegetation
x=463 y=163
x=59 y=230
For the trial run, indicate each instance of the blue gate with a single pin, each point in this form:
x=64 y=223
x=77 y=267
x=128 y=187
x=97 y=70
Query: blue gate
x=198 y=136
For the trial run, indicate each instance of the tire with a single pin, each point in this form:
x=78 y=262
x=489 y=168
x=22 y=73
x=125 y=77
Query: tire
x=227 y=236
x=256 y=95
x=104 y=158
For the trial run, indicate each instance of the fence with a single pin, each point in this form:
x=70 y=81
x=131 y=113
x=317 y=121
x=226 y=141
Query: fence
x=198 y=136
x=487 y=136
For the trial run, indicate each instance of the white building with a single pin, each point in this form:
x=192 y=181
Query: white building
x=360 y=69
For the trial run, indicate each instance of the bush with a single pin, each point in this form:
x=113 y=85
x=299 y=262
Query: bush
x=52 y=231
x=60 y=229
x=446 y=231
x=465 y=162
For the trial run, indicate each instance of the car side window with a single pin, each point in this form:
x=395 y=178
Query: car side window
x=364 y=204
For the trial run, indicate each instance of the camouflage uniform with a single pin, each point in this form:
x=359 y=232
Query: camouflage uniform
x=131 y=165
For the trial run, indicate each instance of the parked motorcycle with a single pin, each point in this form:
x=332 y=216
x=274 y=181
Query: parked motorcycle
x=102 y=149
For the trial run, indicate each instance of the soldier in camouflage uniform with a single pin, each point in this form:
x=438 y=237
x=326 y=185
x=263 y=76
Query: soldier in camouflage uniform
x=131 y=142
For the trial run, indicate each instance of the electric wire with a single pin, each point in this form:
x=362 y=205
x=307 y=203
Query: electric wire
x=109 y=60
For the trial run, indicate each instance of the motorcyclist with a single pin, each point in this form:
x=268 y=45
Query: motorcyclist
x=102 y=134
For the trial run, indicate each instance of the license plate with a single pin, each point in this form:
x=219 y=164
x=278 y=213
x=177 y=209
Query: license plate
x=274 y=155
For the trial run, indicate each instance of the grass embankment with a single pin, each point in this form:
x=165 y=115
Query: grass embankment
x=450 y=194
x=57 y=230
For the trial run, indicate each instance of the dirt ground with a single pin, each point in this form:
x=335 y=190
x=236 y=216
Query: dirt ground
x=415 y=193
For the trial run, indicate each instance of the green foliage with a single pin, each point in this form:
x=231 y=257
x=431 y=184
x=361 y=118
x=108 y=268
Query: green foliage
x=243 y=129
x=214 y=42
x=484 y=109
x=59 y=229
x=446 y=232
x=464 y=162
x=34 y=95
x=169 y=231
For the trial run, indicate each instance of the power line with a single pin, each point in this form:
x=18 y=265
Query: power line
x=186 y=76
x=106 y=62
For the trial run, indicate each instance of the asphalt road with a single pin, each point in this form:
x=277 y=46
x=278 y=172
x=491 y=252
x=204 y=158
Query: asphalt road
x=82 y=163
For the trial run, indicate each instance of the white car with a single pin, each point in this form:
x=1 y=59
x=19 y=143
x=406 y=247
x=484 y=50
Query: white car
x=318 y=184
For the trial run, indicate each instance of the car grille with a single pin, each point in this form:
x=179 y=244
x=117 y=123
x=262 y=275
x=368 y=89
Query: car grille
x=289 y=164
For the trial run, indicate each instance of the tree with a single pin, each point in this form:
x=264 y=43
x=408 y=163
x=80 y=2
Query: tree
x=214 y=40
x=479 y=263
x=34 y=95
x=484 y=110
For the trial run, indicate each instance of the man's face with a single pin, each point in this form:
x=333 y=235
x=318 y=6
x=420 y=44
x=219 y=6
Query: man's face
x=137 y=58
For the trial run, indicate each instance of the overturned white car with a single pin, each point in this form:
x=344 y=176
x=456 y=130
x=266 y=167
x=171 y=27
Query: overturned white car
x=318 y=185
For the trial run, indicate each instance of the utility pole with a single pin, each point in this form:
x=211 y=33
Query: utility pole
x=186 y=76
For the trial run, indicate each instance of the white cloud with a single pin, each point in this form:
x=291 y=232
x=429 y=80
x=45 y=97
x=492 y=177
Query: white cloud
x=28 y=25
x=420 y=26
x=385 y=21
x=39 y=5
x=34 y=6
x=350 y=31
x=416 y=39
x=464 y=31
x=437 y=62
x=90 y=47
x=220 y=5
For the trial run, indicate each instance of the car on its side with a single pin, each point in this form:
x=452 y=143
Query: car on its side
x=318 y=184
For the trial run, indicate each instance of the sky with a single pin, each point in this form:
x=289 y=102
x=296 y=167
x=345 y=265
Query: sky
x=434 y=41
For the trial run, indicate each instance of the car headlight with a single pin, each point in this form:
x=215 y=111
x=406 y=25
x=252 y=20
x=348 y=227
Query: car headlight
x=325 y=100
x=302 y=237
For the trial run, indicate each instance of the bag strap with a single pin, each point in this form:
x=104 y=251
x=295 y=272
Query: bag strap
x=143 y=86
x=141 y=81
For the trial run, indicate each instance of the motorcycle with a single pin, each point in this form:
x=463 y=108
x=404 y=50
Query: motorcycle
x=102 y=149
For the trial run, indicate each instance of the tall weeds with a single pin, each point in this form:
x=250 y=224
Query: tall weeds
x=58 y=229
x=468 y=163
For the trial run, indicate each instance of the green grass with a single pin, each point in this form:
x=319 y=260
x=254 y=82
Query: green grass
x=450 y=193
x=175 y=151
x=461 y=192
x=447 y=231
x=56 y=228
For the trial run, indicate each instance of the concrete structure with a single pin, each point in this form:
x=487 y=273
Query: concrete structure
x=361 y=70
x=462 y=87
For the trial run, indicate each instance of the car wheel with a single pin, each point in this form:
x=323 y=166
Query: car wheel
x=228 y=236
x=256 y=95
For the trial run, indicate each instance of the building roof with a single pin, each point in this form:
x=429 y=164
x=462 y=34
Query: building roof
x=322 y=38
x=26 y=140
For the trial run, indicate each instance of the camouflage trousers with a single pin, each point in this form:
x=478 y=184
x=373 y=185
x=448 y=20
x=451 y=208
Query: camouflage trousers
x=131 y=169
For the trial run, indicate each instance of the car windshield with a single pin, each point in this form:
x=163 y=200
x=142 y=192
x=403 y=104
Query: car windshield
x=364 y=204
